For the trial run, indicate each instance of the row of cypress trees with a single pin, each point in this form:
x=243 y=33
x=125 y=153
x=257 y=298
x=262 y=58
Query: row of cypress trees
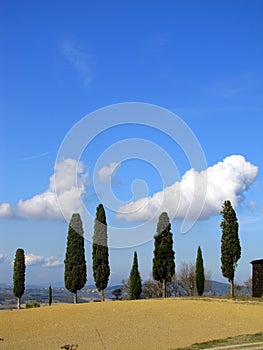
x=75 y=274
x=163 y=268
x=75 y=265
x=163 y=261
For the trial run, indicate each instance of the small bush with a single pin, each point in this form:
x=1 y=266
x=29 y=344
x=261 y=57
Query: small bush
x=32 y=305
x=70 y=347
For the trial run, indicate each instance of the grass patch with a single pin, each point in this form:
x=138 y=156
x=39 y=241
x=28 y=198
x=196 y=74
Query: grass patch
x=242 y=299
x=241 y=339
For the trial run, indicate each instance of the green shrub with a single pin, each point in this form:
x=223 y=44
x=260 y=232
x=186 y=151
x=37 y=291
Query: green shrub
x=32 y=305
x=70 y=347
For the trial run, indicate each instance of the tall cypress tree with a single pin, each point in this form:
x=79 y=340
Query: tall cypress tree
x=75 y=275
x=135 y=279
x=163 y=261
x=19 y=275
x=49 y=295
x=199 y=273
x=100 y=251
x=230 y=244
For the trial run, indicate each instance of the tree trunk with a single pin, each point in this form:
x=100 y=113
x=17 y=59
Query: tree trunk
x=232 y=288
x=75 y=298
x=164 y=289
x=19 y=303
x=102 y=298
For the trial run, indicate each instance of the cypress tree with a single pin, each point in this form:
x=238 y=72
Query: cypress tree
x=135 y=279
x=19 y=275
x=199 y=273
x=230 y=244
x=49 y=295
x=75 y=275
x=100 y=251
x=163 y=261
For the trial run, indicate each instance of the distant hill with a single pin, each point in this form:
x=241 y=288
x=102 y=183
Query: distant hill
x=220 y=288
x=88 y=293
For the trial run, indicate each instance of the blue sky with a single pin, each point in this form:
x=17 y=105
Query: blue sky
x=62 y=62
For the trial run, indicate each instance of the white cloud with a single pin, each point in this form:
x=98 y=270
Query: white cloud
x=66 y=186
x=225 y=180
x=106 y=173
x=3 y=256
x=52 y=261
x=41 y=206
x=32 y=259
x=5 y=210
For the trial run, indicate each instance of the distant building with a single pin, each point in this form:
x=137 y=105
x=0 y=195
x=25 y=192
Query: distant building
x=257 y=278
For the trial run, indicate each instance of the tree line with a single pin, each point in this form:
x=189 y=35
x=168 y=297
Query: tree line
x=163 y=267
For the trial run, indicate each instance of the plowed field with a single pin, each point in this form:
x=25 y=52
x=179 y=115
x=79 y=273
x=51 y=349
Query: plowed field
x=143 y=324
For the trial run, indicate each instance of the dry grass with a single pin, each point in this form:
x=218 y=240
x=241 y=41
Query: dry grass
x=150 y=324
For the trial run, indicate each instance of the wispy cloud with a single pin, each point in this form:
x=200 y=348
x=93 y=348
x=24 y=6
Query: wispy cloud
x=3 y=257
x=52 y=261
x=232 y=86
x=157 y=42
x=79 y=59
x=106 y=173
x=252 y=204
x=35 y=156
